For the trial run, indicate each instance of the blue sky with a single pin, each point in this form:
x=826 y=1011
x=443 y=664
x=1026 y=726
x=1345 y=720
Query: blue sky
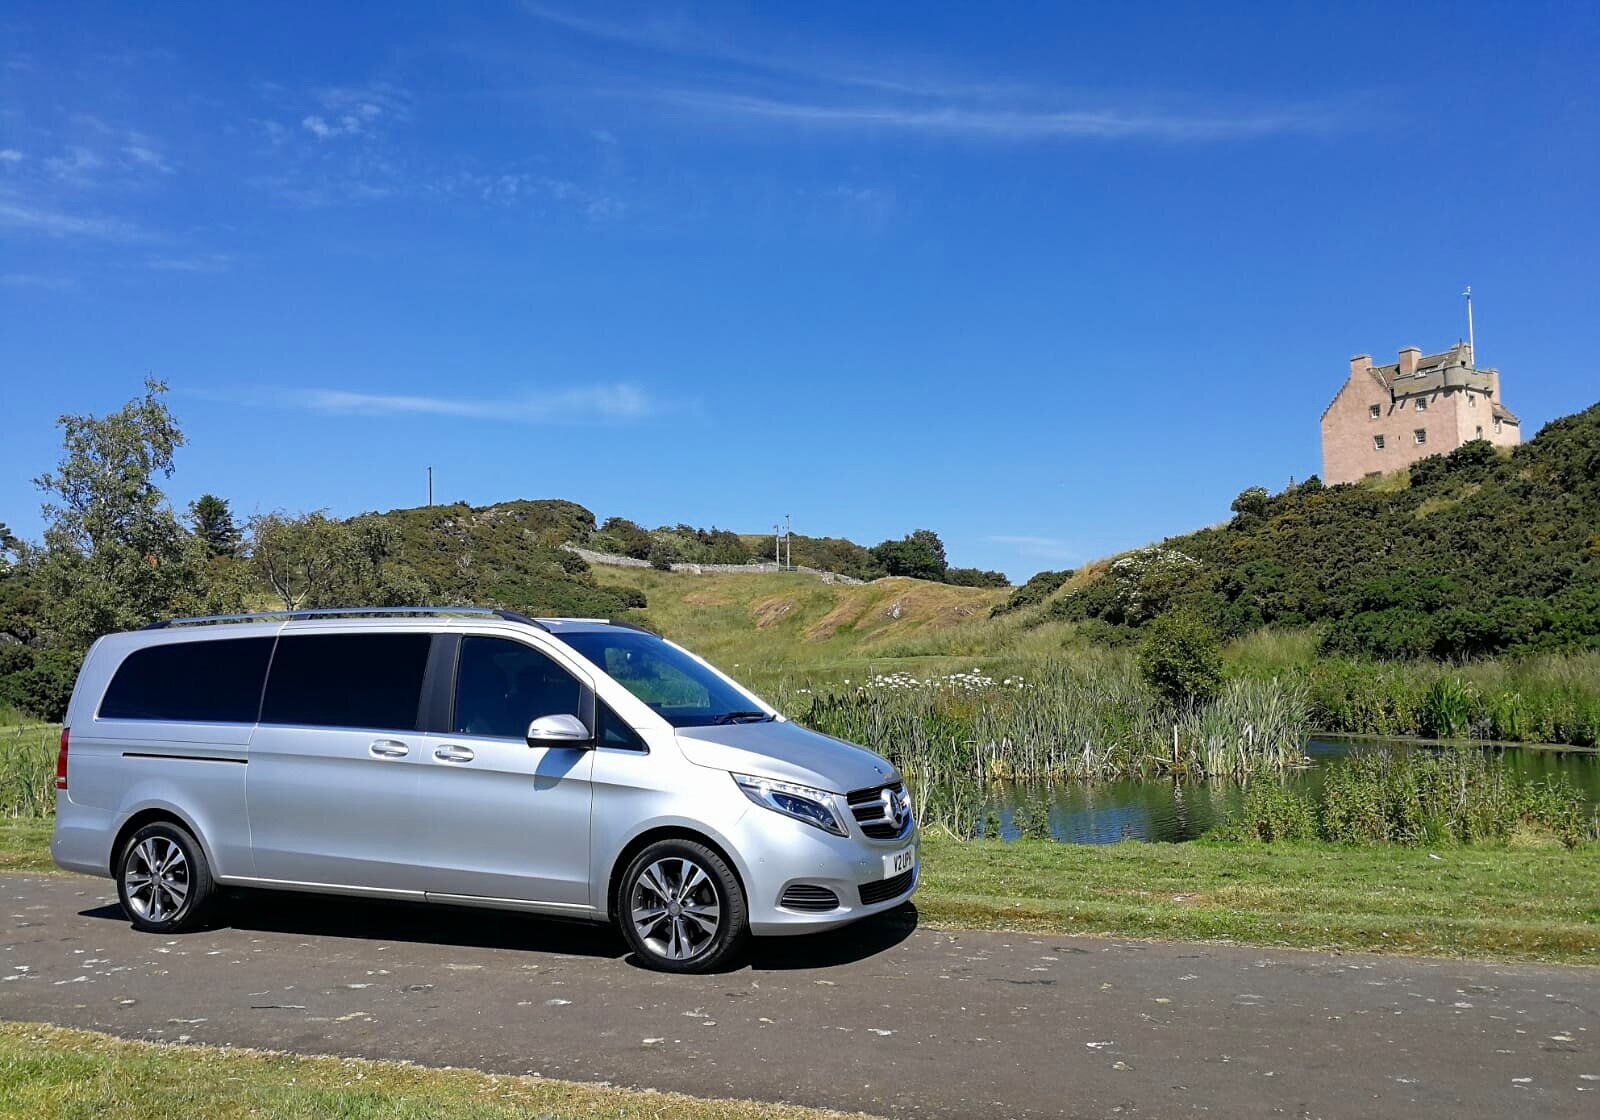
x=1052 y=279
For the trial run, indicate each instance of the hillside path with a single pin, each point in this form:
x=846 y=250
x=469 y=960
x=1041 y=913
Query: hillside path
x=883 y=1017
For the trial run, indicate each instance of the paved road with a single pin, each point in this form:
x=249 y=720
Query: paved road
x=886 y=1017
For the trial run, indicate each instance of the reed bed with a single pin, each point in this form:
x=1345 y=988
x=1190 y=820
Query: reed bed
x=28 y=770
x=1548 y=698
x=1086 y=720
x=1439 y=798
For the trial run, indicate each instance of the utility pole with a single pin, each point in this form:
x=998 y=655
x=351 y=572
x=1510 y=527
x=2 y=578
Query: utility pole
x=430 y=486
x=1472 y=345
x=777 y=544
x=788 y=546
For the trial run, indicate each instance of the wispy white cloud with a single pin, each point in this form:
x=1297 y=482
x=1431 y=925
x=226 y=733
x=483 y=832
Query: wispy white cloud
x=1042 y=548
x=11 y=157
x=356 y=110
x=593 y=403
x=141 y=155
x=78 y=165
x=49 y=222
x=828 y=93
x=199 y=262
x=680 y=37
x=1008 y=124
x=42 y=281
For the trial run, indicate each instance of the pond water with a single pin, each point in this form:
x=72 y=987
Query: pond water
x=1168 y=810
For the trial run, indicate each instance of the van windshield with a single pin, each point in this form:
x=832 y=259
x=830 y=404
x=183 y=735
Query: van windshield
x=676 y=686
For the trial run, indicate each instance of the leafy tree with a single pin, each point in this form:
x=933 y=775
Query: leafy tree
x=115 y=556
x=625 y=538
x=1039 y=588
x=316 y=561
x=975 y=577
x=213 y=524
x=1180 y=659
x=919 y=555
x=1250 y=506
x=663 y=554
x=298 y=557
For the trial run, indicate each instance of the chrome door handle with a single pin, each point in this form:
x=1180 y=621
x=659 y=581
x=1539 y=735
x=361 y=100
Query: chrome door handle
x=454 y=754
x=388 y=748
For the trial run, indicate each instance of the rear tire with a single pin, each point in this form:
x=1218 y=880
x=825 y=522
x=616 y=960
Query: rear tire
x=681 y=908
x=163 y=879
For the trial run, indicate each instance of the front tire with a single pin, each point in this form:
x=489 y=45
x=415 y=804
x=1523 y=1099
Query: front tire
x=681 y=908
x=163 y=880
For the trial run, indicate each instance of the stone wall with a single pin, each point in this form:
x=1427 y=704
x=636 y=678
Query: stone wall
x=701 y=569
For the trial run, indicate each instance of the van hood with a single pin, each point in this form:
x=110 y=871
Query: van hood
x=786 y=752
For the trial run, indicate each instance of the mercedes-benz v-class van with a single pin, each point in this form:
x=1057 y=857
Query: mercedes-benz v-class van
x=472 y=757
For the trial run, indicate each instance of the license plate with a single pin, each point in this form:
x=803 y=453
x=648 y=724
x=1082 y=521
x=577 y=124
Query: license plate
x=898 y=863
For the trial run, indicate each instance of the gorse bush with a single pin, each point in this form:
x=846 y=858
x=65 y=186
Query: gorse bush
x=1411 y=797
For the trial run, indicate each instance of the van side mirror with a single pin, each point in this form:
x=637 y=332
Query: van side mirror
x=559 y=731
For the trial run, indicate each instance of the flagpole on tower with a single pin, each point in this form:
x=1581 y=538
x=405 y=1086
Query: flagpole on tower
x=1472 y=346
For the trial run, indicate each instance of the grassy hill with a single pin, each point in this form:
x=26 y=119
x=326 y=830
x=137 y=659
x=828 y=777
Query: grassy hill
x=784 y=622
x=1469 y=554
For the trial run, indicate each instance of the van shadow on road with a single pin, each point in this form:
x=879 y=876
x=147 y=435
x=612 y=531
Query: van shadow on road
x=316 y=915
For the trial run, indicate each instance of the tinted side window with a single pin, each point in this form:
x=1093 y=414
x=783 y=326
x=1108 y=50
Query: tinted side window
x=502 y=686
x=347 y=680
x=200 y=682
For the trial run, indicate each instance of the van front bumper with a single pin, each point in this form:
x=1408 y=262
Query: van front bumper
x=779 y=854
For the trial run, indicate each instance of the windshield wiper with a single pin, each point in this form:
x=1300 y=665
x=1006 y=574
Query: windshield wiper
x=751 y=716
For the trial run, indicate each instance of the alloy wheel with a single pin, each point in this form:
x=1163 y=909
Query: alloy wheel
x=156 y=879
x=675 y=908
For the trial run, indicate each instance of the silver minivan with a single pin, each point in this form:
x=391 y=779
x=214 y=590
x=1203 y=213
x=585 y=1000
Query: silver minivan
x=475 y=757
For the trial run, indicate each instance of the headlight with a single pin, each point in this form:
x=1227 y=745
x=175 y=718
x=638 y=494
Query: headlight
x=813 y=806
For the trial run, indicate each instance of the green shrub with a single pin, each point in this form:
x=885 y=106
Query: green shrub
x=1181 y=661
x=1272 y=812
x=1448 y=708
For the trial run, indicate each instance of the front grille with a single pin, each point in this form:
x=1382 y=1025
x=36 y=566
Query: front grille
x=886 y=888
x=806 y=896
x=874 y=818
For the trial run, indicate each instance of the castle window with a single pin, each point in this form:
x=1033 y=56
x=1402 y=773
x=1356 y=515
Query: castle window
x=1420 y=436
x=1374 y=411
x=1480 y=432
x=1497 y=424
x=1472 y=399
x=1377 y=443
x=1422 y=404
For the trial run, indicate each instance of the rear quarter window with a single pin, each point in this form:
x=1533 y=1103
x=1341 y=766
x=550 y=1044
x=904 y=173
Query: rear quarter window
x=198 y=682
x=369 y=681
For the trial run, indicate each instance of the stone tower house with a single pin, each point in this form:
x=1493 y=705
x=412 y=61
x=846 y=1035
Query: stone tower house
x=1387 y=417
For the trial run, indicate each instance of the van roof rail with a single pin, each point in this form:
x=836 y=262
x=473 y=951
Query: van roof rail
x=346 y=612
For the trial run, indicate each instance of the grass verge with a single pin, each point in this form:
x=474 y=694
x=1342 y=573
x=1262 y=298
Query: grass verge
x=1498 y=903
x=51 y=1072
x=25 y=843
x=1505 y=903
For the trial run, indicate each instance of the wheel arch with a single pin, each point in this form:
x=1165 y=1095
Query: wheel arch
x=669 y=832
x=155 y=814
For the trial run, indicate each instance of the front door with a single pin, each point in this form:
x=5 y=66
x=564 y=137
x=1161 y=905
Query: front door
x=331 y=785
x=501 y=819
